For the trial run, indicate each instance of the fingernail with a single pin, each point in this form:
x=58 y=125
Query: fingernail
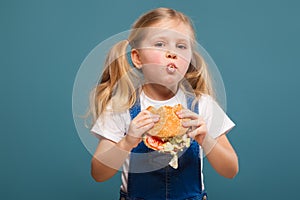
x=155 y=119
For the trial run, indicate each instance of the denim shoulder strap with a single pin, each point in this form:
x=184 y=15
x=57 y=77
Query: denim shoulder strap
x=135 y=109
x=190 y=100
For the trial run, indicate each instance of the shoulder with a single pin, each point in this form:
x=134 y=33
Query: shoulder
x=205 y=98
x=205 y=101
x=215 y=116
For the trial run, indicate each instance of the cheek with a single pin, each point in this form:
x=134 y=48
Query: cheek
x=185 y=61
x=152 y=57
x=186 y=56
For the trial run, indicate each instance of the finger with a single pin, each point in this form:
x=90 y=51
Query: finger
x=146 y=122
x=146 y=112
x=141 y=118
x=138 y=130
x=145 y=116
x=186 y=113
x=143 y=129
x=146 y=128
x=199 y=132
x=143 y=112
x=194 y=123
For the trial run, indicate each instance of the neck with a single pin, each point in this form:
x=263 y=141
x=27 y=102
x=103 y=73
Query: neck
x=158 y=92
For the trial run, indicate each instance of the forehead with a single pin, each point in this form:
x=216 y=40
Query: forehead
x=170 y=28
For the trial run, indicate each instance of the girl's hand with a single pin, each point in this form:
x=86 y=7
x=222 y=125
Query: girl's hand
x=143 y=122
x=197 y=125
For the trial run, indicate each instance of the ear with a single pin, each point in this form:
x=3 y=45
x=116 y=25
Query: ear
x=135 y=57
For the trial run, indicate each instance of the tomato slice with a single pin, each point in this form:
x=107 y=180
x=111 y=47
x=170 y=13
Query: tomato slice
x=155 y=142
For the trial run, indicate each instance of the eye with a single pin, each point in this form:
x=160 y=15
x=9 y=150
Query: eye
x=181 y=46
x=159 y=44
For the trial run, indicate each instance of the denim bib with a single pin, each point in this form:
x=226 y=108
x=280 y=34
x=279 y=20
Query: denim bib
x=151 y=178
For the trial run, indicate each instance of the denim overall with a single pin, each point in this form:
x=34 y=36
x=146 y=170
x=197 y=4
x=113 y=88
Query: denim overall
x=151 y=178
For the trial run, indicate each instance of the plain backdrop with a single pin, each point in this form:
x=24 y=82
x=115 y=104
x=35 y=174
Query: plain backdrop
x=255 y=45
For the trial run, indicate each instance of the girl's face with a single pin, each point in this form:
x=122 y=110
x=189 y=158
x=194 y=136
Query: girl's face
x=165 y=54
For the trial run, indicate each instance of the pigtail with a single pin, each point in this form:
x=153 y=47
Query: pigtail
x=198 y=76
x=115 y=88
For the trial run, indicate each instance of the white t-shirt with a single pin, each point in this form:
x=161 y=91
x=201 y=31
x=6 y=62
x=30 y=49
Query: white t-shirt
x=113 y=125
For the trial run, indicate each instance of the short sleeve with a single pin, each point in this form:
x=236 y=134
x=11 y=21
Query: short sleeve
x=111 y=125
x=216 y=119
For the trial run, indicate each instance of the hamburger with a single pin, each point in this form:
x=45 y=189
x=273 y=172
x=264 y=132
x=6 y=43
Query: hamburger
x=167 y=135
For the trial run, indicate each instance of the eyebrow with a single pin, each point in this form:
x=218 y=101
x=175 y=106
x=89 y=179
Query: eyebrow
x=166 y=38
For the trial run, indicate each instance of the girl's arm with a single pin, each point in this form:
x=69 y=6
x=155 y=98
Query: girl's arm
x=110 y=156
x=222 y=157
x=219 y=152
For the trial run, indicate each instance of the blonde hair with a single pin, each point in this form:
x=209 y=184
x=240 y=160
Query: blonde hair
x=116 y=83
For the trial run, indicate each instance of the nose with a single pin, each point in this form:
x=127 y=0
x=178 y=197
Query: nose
x=171 y=55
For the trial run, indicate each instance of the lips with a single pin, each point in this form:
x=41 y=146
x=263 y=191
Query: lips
x=171 y=68
x=171 y=65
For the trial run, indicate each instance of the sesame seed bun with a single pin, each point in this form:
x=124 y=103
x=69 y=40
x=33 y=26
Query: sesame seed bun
x=169 y=124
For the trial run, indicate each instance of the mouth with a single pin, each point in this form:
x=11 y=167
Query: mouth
x=171 y=67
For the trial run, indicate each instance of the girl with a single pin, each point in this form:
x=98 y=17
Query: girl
x=162 y=45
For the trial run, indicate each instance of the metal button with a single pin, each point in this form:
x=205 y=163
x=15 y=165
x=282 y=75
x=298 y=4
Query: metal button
x=204 y=197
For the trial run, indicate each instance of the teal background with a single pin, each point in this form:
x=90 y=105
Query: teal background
x=254 y=43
